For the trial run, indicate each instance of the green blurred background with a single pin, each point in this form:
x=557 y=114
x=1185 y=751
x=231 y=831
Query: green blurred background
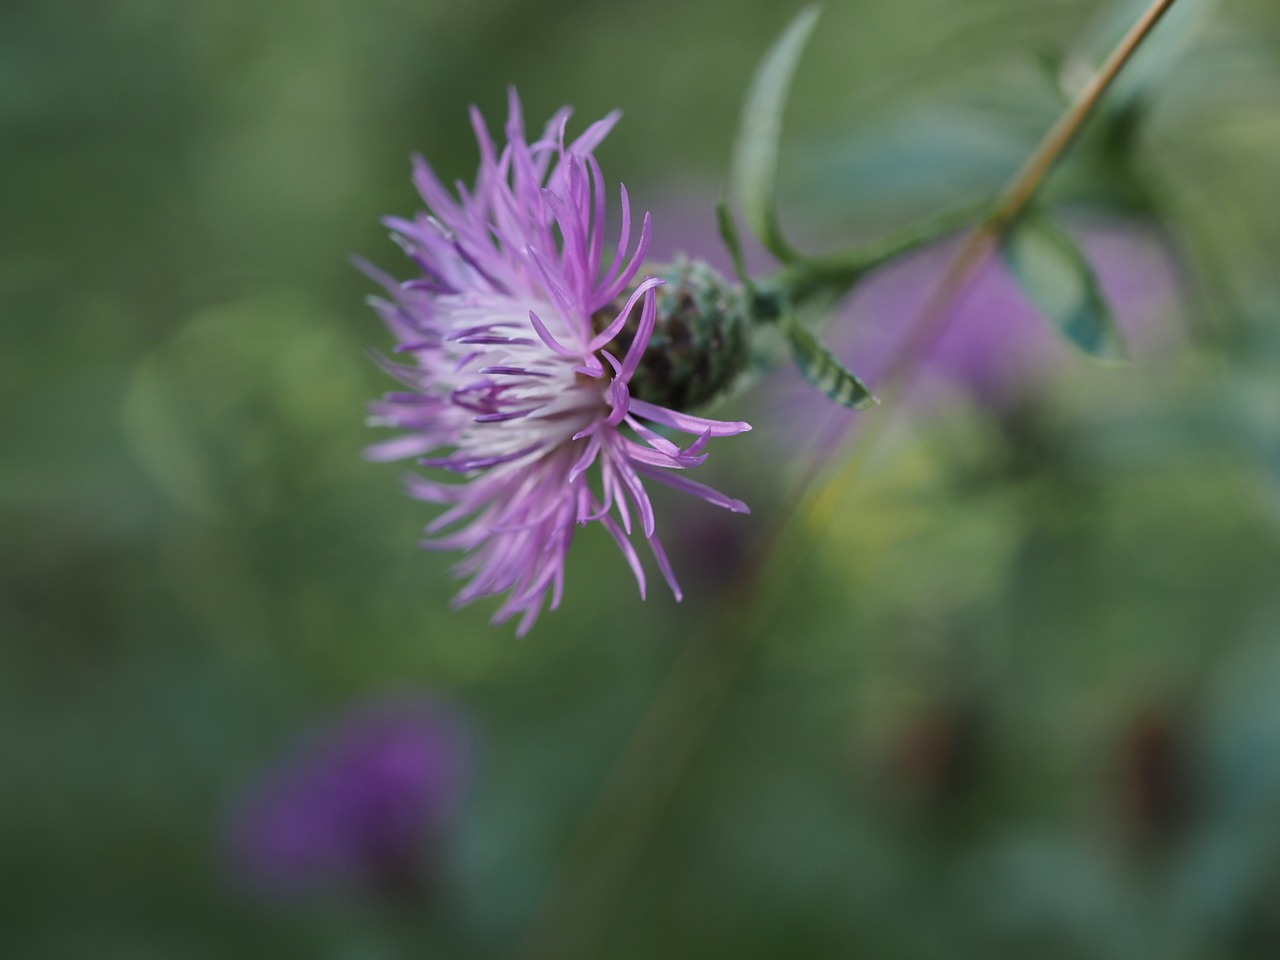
x=1019 y=698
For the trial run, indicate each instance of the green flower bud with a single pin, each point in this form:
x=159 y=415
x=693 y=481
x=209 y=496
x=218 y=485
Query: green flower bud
x=700 y=343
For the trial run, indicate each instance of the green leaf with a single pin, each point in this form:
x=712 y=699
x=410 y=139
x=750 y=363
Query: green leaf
x=1054 y=274
x=754 y=167
x=729 y=234
x=820 y=367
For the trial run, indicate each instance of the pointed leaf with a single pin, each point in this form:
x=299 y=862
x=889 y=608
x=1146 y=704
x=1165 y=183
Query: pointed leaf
x=1054 y=274
x=729 y=234
x=754 y=167
x=820 y=367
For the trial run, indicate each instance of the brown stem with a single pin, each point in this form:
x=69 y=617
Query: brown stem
x=1013 y=200
x=610 y=843
x=1025 y=182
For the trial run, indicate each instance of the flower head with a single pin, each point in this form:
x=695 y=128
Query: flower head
x=516 y=384
x=355 y=806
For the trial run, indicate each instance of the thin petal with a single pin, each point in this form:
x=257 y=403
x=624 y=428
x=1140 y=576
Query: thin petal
x=692 y=487
x=620 y=321
x=664 y=565
x=687 y=422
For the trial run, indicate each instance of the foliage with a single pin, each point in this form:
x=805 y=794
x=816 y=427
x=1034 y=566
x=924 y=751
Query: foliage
x=1018 y=696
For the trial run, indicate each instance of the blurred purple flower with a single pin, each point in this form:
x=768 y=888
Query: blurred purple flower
x=997 y=347
x=513 y=386
x=357 y=807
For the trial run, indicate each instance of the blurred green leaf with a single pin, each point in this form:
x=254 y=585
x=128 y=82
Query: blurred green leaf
x=820 y=367
x=1054 y=274
x=1153 y=65
x=732 y=241
x=754 y=167
x=209 y=410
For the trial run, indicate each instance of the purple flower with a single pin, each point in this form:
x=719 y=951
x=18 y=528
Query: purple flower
x=997 y=347
x=358 y=806
x=513 y=386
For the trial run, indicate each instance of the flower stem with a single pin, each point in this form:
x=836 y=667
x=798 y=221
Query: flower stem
x=1013 y=200
x=1027 y=180
x=832 y=276
x=610 y=844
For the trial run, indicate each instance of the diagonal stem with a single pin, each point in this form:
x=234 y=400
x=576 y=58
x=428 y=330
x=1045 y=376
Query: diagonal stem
x=1015 y=196
x=1013 y=200
x=576 y=918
